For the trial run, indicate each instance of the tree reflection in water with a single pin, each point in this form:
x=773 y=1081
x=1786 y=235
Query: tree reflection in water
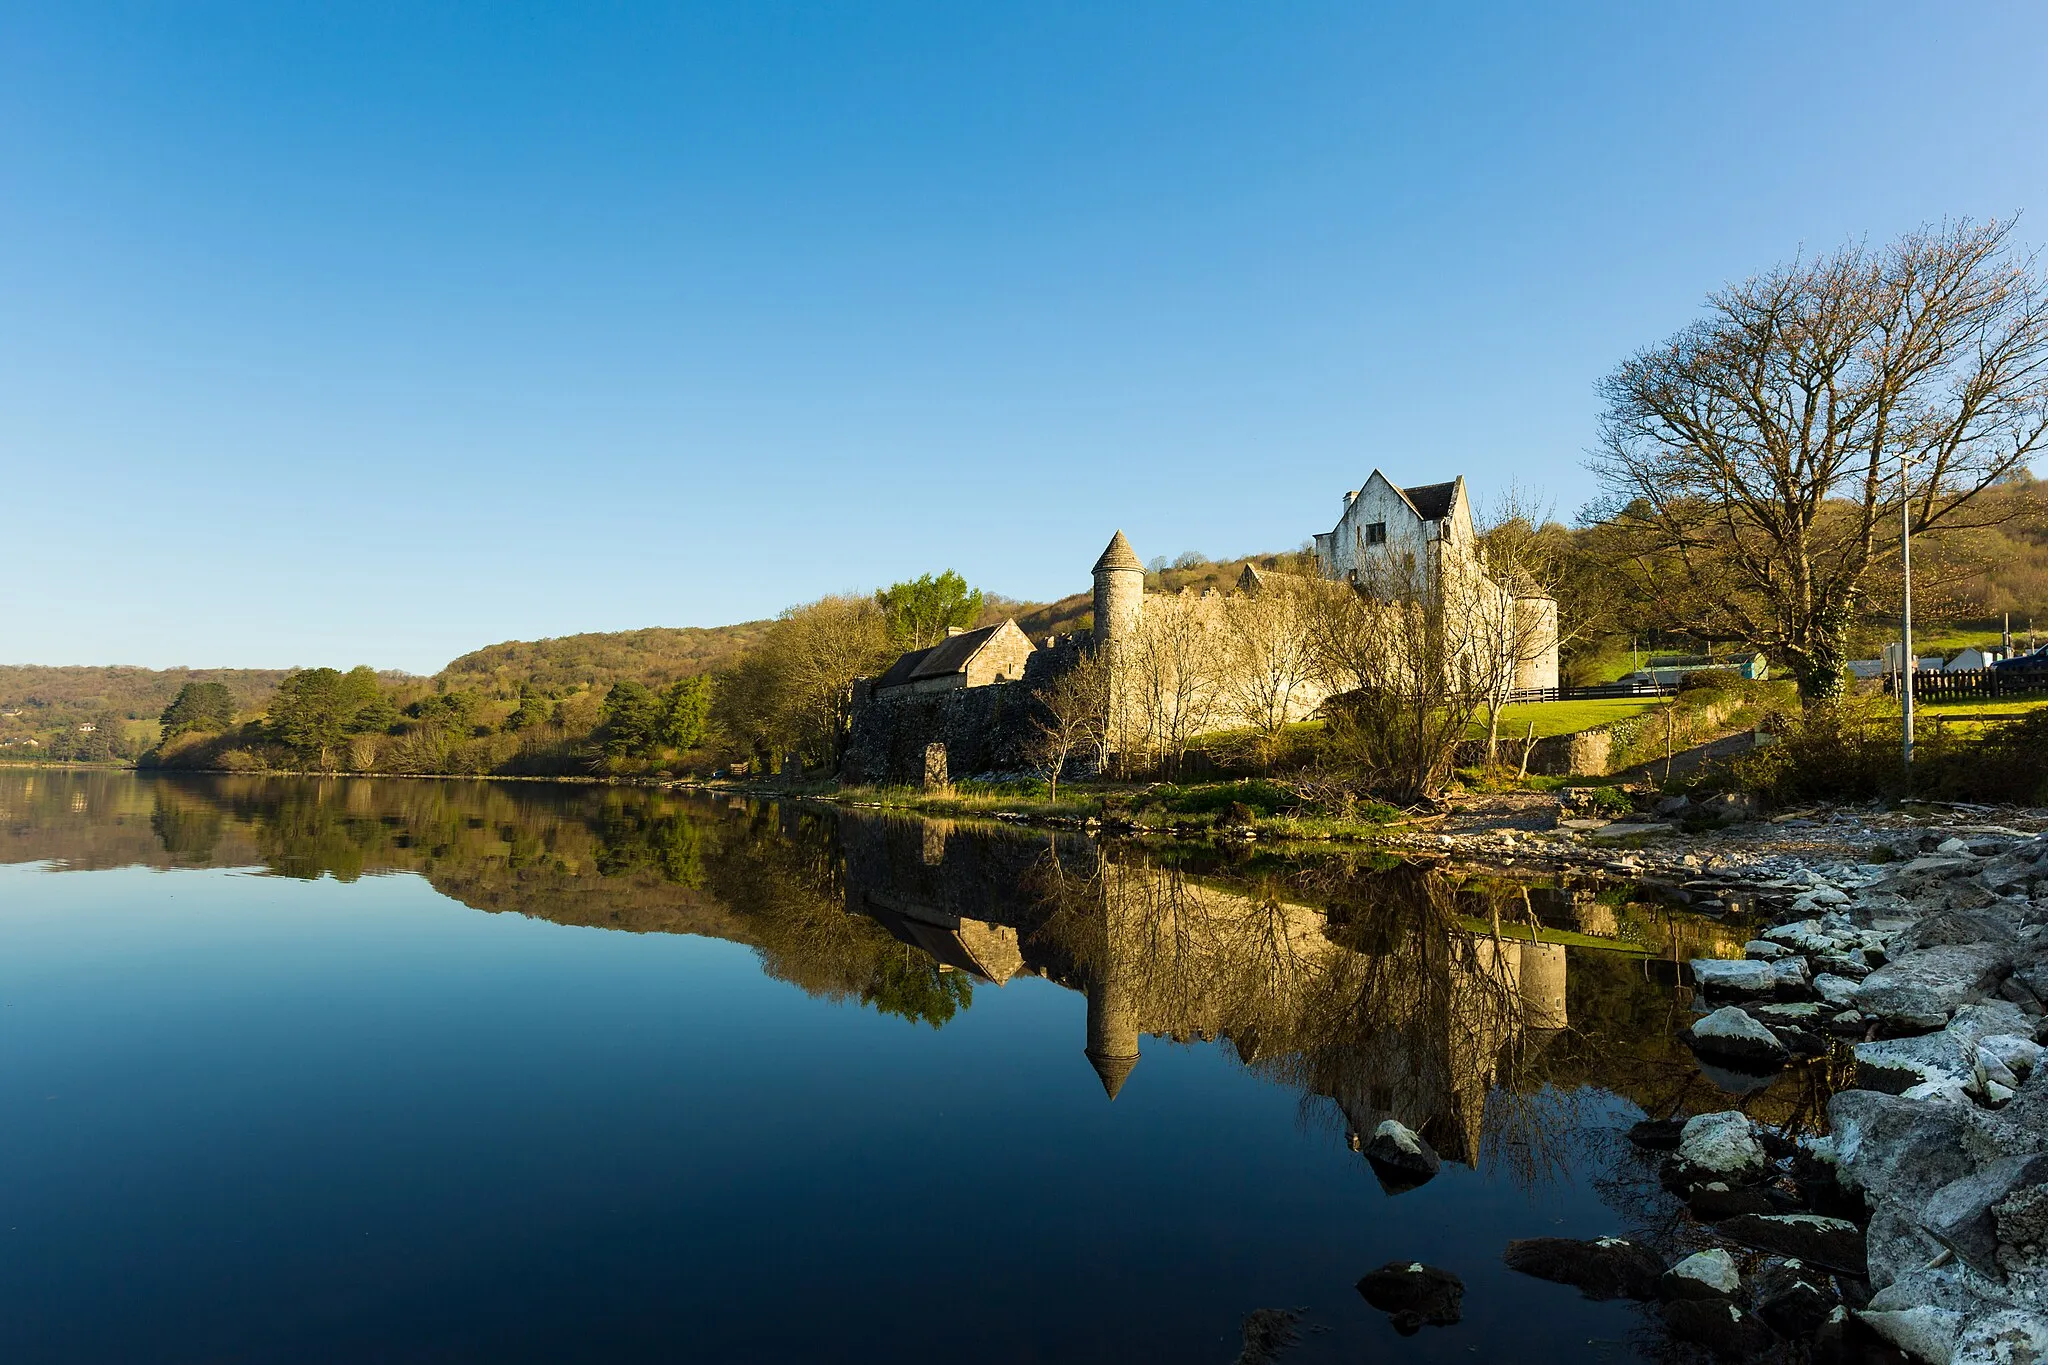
x=1374 y=989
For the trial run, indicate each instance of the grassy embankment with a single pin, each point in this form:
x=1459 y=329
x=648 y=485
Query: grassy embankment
x=1267 y=809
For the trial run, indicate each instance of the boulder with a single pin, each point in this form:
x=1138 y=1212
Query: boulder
x=1890 y=1148
x=1400 y=1156
x=1749 y=977
x=1919 y=991
x=1763 y=950
x=1414 y=1295
x=1603 y=1268
x=1896 y=1065
x=1702 y=1275
x=1838 y=991
x=1793 y=1299
x=2012 y=1337
x=1722 y=1146
x=1953 y=927
x=2022 y=1222
x=1834 y=1243
x=1723 y=1328
x=1959 y=1215
x=1714 y=1201
x=1924 y=1333
x=1733 y=1036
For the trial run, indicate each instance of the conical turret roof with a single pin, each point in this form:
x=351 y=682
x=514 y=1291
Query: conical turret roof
x=1119 y=555
x=1112 y=1070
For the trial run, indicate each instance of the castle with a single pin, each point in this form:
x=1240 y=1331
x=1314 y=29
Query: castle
x=954 y=695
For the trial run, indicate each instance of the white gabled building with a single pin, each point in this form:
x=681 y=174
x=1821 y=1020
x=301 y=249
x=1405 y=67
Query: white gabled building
x=1429 y=528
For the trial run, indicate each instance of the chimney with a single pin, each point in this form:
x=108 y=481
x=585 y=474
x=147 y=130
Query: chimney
x=1350 y=496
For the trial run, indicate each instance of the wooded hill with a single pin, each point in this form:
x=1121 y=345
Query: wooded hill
x=655 y=656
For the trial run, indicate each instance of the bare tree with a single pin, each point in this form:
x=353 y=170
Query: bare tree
x=1511 y=602
x=1763 y=457
x=1268 y=657
x=1167 y=676
x=1072 y=717
x=1402 y=645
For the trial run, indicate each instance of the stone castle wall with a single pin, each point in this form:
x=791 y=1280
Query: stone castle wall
x=984 y=729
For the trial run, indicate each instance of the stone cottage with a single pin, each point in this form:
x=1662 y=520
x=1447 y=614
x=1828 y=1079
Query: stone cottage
x=1430 y=526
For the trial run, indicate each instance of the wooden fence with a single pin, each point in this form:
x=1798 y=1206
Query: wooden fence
x=1597 y=692
x=1954 y=684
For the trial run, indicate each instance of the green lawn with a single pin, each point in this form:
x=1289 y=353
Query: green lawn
x=1565 y=717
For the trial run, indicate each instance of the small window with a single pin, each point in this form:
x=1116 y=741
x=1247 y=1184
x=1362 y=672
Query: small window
x=1375 y=533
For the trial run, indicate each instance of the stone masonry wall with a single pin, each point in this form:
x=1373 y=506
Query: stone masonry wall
x=984 y=729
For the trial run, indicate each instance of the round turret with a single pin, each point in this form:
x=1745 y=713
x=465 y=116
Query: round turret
x=1119 y=591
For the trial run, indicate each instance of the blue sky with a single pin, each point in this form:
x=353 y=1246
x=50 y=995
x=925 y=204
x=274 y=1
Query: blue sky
x=378 y=332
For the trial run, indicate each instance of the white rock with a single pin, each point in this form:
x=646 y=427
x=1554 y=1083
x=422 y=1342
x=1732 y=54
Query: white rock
x=1722 y=1143
x=1990 y=1070
x=2019 y=1054
x=1838 y=991
x=1926 y=1333
x=1763 y=950
x=1941 y=1090
x=1715 y=1269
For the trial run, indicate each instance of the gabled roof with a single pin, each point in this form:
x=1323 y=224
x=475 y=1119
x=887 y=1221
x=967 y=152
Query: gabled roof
x=1432 y=501
x=1119 y=555
x=948 y=656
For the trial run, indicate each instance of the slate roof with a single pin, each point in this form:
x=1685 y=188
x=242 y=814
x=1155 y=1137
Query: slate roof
x=1119 y=555
x=1432 y=501
x=948 y=656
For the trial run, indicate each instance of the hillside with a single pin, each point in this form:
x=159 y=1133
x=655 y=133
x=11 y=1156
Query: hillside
x=49 y=705
x=655 y=656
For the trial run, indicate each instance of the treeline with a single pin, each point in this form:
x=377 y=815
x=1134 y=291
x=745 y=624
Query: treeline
x=782 y=696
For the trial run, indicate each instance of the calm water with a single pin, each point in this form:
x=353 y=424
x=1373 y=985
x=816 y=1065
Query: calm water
x=297 y=1070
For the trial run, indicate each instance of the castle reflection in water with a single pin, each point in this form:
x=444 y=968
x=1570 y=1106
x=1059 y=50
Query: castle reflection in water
x=1459 y=1005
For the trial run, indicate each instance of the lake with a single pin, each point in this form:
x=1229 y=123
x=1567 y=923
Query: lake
x=423 y=1070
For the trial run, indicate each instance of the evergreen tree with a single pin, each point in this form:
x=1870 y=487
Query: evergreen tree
x=631 y=722
x=206 y=707
x=685 y=712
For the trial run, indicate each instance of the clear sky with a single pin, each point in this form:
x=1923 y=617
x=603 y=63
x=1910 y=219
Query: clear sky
x=378 y=332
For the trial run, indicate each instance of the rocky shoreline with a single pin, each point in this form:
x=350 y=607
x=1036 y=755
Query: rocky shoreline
x=1918 y=1227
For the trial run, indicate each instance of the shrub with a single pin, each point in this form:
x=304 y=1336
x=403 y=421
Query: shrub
x=1710 y=680
x=1263 y=798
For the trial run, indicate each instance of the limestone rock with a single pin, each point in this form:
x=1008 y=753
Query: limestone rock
x=1953 y=927
x=1400 y=1156
x=1922 y=989
x=1837 y=991
x=1896 y=1065
x=2013 y=1337
x=1748 y=977
x=1889 y=1148
x=1414 y=1295
x=1925 y=1333
x=1793 y=1299
x=1722 y=1146
x=1714 y=1201
x=1721 y=1327
x=1834 y=1243
x=1603 y=1268
x=1733 y=1036
x=1763 y=950
x=1959 y=1215
x=1703 y=1275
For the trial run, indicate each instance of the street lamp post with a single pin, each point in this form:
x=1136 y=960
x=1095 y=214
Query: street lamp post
x=1908 y=665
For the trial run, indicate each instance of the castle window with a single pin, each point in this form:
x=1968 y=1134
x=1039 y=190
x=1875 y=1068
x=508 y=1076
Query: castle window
x=1375 y=533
